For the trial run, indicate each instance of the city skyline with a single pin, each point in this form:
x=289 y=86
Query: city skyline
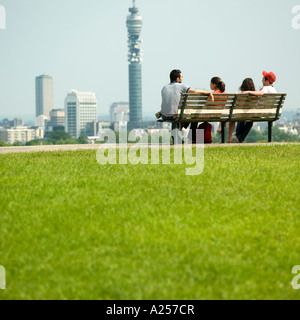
x=231 y=44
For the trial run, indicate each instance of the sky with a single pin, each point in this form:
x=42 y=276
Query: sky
x=82 y=44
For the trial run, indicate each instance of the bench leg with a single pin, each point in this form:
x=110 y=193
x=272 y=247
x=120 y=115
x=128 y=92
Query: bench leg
x=270 y=125
x=223 y=131
x=175 y=137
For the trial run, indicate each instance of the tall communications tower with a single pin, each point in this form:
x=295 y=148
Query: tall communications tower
x=134 y=26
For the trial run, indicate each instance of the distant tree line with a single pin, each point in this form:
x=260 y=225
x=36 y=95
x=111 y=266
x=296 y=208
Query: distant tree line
x=262 y=136
x=61 y=137
x=56 y=138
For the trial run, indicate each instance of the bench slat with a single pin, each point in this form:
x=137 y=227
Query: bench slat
x=212 y=107
x=203 y=111
x=203 y=98
x=277 y=100
x=261 y=107
x=258 y=98
x=206 y=95
x=204 y=119
x=254 y=117
x=228 y=106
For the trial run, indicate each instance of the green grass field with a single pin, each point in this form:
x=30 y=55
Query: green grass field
x=72 y=229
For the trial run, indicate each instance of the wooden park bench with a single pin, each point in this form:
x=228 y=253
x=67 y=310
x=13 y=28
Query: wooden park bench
x=228 y=107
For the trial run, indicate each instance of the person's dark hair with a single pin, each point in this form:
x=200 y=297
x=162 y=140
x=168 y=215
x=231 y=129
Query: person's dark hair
x=175 y=74
x=247 y=85
x=219 y=83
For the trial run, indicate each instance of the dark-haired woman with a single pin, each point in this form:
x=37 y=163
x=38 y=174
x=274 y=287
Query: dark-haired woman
x=243 y=128
x=217 y=86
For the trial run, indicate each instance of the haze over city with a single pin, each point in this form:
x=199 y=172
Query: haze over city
x=83 y=46
x=149 y=153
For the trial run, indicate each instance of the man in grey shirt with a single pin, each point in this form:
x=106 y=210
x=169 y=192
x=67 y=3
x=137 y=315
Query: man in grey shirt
x=171 y=94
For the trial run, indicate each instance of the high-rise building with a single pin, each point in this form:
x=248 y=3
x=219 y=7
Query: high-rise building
x=119 y=112
x=18 y=122
x=57 y=118
x=57 y=121
x=44 y=95
x=41 y=121
x=134 y=26
x=80 y=111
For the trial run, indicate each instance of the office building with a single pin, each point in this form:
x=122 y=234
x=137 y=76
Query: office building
x=80 y=111
x=57 y=122
x=19 y=134
x=44 y=95
x=57 y=118
x=41 y=121
x=119 y=112
x=18 y=122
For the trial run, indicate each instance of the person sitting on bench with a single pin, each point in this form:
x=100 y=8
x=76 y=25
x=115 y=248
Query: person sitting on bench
x=218 y=87
x=171 y=95
x=247 y=86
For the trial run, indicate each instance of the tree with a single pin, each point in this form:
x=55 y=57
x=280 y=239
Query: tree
x=18 y=144
x=33 y=143
x=280 y=136
x=255 y=136
x=3 y=144
x=59 y=135
x=82 y=139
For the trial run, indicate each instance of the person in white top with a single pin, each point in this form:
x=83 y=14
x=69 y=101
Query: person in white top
x=243 y=128
x=268 y=80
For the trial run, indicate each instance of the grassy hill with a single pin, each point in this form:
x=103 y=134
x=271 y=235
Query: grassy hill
x=72 y=229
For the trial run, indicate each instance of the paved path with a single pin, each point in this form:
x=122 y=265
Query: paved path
x=75 y=147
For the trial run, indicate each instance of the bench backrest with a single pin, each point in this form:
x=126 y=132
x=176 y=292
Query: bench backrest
x=230 y=107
